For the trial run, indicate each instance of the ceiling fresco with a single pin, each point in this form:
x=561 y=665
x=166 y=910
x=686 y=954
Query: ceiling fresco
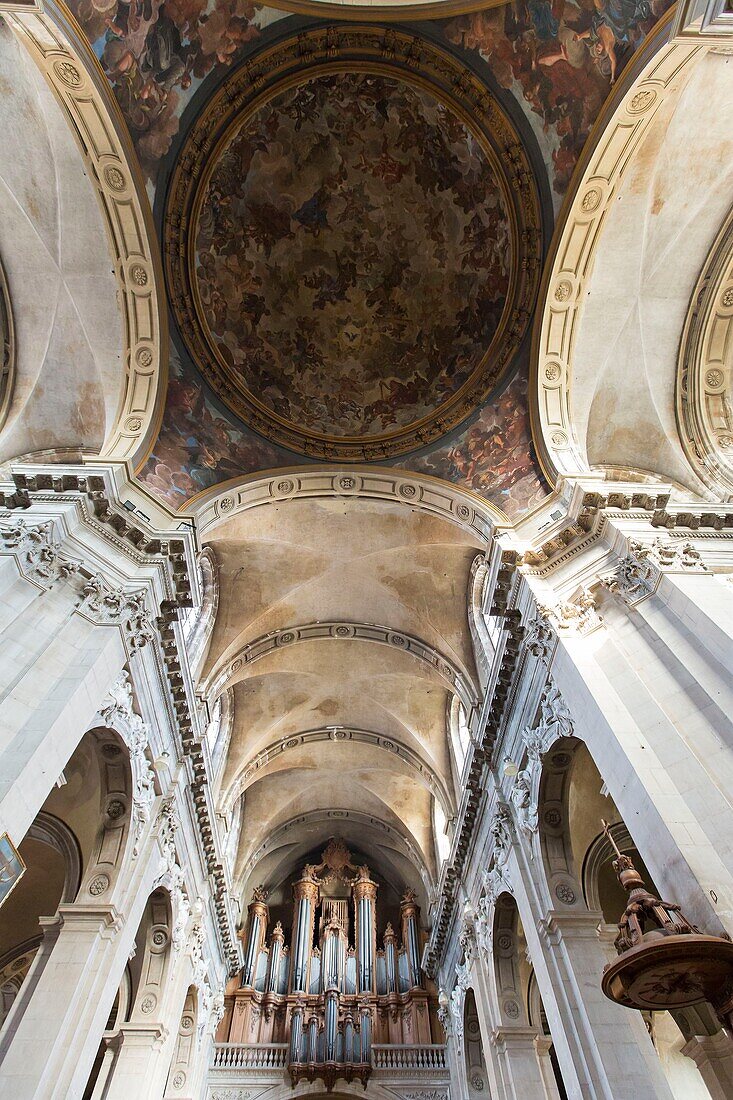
x=272 y=209
x=353 y=252
x=560 y=59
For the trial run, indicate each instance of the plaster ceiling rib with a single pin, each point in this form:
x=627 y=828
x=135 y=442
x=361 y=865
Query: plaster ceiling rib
x=257 y=765
x=226 y=673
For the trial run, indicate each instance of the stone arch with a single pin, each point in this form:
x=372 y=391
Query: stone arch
x=84 y=824
x=150 y=966
x=227 y=671
x=426 y=773
x=467 y=510
x=110 y=848
x=704 y=389
x=197 y=629
x=483 y=646
x=54 y=835
x=652 y=124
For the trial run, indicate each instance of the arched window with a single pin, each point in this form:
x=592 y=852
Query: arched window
x=440 y=827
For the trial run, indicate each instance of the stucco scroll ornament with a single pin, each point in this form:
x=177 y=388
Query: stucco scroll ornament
x=445 y=1016
x=539 y=638
x=38 y=553
x=500 y=829
x=200 y=974
x=484 y=926
x=555 y=722
x=170 y=874
x=578 y=616
x=114 y=607
x=524 y=802
x=119 y=712
x=458 y=997
x=636 y=576
x=467 y=937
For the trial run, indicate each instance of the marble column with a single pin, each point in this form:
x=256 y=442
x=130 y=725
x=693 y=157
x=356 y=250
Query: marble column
x=713 y=1056
x=604 y=1051
x=520 y=1066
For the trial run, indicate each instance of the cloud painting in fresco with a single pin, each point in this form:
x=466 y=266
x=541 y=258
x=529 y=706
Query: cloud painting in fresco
x=353 y=255
x=494 y=456
x=198 y=446
x=560 y=60
x=155 y=53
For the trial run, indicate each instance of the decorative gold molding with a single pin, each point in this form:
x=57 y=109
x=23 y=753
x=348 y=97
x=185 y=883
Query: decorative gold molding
x=86 y=100
x=574 y=251
x=705 y=369
x=353 y=48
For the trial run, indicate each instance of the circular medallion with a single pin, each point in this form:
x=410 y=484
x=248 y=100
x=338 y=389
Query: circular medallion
x=362 y=257
x=98 y=885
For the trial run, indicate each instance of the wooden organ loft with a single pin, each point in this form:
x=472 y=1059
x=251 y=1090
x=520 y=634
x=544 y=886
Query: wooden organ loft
x=331 y=992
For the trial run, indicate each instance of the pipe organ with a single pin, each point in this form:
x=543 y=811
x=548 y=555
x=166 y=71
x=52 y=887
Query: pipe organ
x=333 y=991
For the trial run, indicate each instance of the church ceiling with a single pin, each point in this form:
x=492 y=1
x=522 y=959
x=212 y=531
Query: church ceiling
x=426 y=378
